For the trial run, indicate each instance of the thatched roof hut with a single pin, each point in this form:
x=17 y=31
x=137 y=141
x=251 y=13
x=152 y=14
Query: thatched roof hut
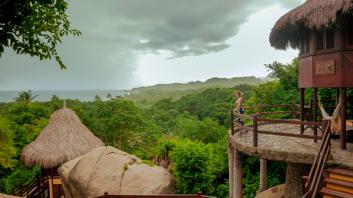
x=64 y=139
x=313 y=14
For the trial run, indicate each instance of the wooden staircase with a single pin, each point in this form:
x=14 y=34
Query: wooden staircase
x=338 y=183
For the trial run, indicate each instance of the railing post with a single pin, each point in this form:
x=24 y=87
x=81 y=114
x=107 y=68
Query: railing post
x=255 y=130
x=315 y=112
x=302 y=92
x=232 y=122
x=343 y=96
x=294 y=109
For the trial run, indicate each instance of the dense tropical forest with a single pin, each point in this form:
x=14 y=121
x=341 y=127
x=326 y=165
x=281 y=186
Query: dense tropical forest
x=190 y=132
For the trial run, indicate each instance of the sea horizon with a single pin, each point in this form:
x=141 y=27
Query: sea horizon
x=45 y=95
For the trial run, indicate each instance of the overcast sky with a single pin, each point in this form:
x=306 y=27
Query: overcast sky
x=130 y=43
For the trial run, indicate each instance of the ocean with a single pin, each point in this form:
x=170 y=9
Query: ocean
x=83 y=95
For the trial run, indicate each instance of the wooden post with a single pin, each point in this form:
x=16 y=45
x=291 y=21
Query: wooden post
x=255 y=131
x=231 y=169
x=50 y=187
x=294 y=110
x=263 y=175
x=238 y=174
x=302 y=92
x=232 y=122
x=315 y=111
x=343 y=95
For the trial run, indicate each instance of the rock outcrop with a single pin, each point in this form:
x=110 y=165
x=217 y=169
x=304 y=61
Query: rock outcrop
x=107 y=169
x=7 y=196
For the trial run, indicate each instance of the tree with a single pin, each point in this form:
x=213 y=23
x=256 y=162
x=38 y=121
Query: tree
x=25 y=96
x=34 y=27
x=97 y=98
x=286 y=73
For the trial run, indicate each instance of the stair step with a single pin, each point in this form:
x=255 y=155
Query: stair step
x=334 y=193
x=339 y=185
x=340 y=171
x=341 y=174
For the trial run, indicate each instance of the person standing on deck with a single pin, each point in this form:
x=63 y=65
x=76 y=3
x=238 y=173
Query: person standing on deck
x=239 y=104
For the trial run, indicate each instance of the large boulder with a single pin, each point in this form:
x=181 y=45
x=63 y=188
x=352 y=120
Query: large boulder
x=7 y=196
x=107 y=169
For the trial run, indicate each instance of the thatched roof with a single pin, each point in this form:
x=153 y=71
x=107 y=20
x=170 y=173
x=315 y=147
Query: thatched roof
x=313 y=14
x=64 y=138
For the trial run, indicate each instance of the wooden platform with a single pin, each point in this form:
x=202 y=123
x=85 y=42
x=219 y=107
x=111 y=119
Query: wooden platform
x=289 y=149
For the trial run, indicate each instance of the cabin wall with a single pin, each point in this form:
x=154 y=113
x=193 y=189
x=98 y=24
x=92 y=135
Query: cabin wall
x=326 y=70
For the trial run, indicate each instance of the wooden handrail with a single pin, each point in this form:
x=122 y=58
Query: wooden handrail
x=290 y=135
x=283 y=121
x=106 y=195
x=236 y=126
x=316 y=171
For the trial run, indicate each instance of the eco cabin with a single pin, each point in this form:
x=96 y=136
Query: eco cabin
x=315 y=141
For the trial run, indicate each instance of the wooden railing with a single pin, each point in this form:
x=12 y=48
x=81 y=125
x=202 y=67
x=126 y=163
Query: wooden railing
x=251 y=123
x=316 y=171
x=279 y=109
x=106 y=195
x=32 y=189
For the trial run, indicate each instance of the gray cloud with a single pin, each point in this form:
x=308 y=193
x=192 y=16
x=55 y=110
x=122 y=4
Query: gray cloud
x=182 y=27
x=116 y=32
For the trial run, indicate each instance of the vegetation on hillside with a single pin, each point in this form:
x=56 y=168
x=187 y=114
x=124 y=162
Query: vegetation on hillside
x=147 y=96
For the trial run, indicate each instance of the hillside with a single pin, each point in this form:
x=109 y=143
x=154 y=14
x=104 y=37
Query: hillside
x=144 y=96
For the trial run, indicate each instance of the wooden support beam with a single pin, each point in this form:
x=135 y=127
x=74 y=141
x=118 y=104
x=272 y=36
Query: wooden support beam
x=302 y=92
x=343 y=96
x=238 y=174
x=231 y=166
x=315 y=111
x=263 y=175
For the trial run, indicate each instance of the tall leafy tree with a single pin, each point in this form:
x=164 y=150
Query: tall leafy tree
x=34 y=27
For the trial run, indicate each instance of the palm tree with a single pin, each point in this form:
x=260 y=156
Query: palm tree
x=25 y=96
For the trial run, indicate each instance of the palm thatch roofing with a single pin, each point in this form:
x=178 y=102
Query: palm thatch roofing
x=64 y=139
x=313 y=14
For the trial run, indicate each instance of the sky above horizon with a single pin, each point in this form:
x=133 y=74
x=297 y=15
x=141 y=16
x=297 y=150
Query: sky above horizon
x=132 y=43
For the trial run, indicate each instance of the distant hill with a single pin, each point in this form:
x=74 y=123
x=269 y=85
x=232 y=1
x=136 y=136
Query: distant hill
x=147 y=95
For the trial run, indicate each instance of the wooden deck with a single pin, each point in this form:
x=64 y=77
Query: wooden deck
x=289 y=149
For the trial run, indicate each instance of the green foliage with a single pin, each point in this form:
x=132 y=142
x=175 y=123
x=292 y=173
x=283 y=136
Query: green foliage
x=34 y=27
x=7 y=148
x=118 y=122
x=207 y=130
x=20 y=176
x=191 y=167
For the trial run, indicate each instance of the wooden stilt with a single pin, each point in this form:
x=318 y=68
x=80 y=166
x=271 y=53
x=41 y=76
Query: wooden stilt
x=343 y=95
x=302 y=92
x=315 y=111
x=238 y=174
x=231 y=170
x=263 y=175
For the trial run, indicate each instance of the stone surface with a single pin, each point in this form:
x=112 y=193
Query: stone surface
x=289 y=149
x=107 y=169
x=7 y=196
x=274 y=192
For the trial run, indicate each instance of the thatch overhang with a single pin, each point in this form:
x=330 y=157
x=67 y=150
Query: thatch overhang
x=64 y=139
x=313 y=14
